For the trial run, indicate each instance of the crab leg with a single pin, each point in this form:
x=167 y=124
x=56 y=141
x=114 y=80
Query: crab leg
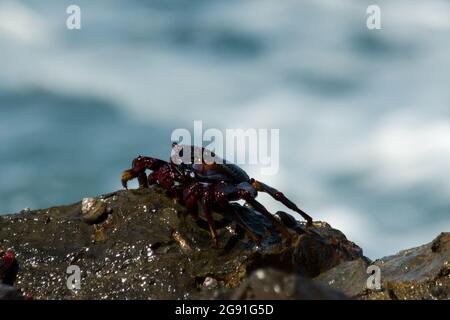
x=230 y=210
x=260 y=208
x=277 y=195
x=224 y=191
x=142 y=179
x=221 y=194
x=139 y=165
x=205 y=201
x=190 y=200
x=190 y=197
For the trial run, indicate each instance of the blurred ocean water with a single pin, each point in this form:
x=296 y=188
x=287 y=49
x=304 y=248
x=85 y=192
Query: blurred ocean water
x=364 y=116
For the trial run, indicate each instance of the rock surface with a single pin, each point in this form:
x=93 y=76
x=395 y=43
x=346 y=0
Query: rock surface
x=418 y=273
x=139 y=244
x=10 y=293
x=146 y=247
x=349 y=277
x=272 y=284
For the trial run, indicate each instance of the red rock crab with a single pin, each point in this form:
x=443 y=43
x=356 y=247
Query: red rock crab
x=213 y=185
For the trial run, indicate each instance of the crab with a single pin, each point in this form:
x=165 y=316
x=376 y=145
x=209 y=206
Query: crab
x=8 y=267
x=213 y=185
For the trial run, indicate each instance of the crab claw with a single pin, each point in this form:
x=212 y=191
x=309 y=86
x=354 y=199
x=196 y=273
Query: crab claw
x=126 y=176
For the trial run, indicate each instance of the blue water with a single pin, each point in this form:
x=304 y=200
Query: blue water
x=364 y=116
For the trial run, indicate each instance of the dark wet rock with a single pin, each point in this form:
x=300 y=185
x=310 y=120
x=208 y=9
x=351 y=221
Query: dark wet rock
x=320 y=252
x=418 y=273
x=146 y=247
x=272 y=284
x=349 y=277
x=10 y=293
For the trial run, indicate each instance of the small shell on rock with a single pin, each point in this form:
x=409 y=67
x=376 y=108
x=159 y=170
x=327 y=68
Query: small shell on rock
x=93 y=210
x=210 y=282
